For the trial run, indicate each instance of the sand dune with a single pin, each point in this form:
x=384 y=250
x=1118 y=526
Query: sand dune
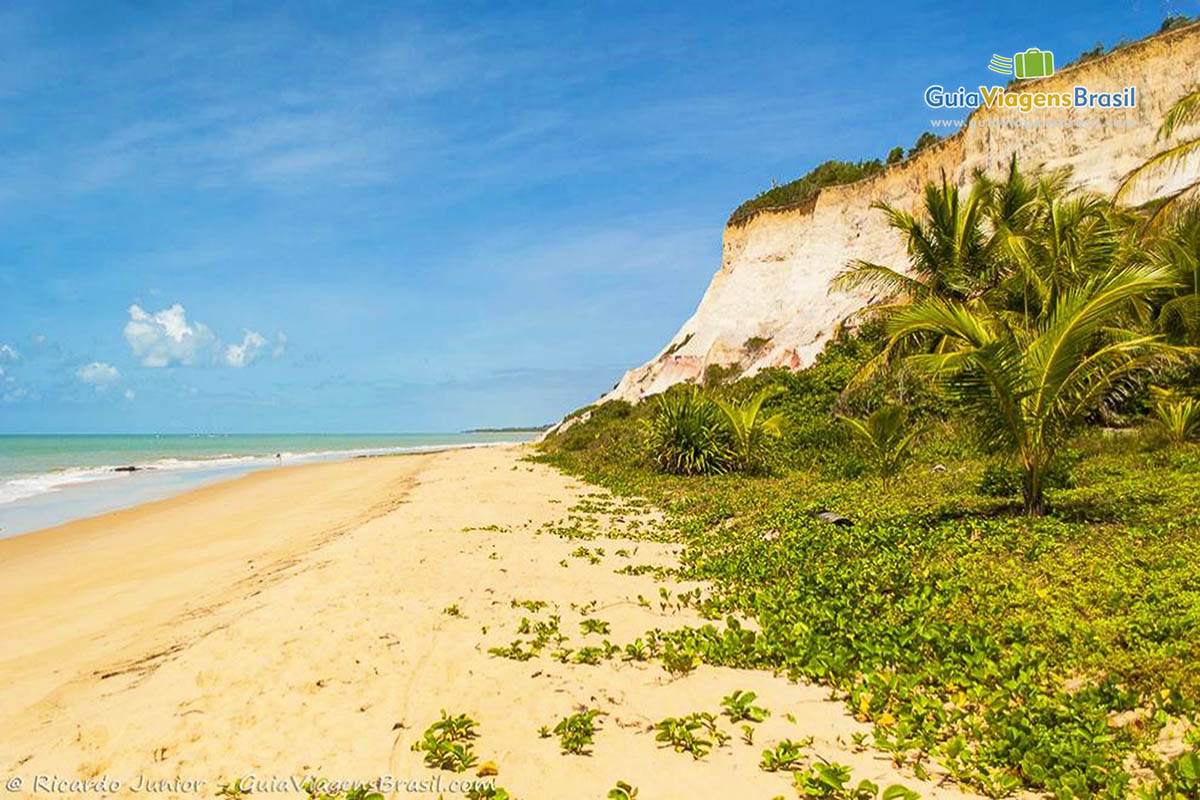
x=293 y=623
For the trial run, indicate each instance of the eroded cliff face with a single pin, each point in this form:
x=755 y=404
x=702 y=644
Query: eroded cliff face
x=776 y=266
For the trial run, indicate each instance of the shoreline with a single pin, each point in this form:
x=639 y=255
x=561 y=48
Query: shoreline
x=314 y=620
x=114 y=488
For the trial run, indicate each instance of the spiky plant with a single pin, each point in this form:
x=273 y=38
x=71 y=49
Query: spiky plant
x=886 y=437
x=1176 y=415
x=1031 y=380
x=686 y=435
x=750 y=430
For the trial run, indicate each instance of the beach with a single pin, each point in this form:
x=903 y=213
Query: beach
x=312 y=621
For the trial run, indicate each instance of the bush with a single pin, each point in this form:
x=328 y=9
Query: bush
x=831 y=173
x=687 y=436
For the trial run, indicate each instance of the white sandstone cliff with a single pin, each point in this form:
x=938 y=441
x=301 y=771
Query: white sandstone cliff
x=776 y=266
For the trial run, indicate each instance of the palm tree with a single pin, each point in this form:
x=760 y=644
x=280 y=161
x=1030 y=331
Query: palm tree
x=1185 y=111
x=749 y=429
x=951 y=256
x=1031 y=380
x=1177 y=249
x=885 y=436
x=950 y=252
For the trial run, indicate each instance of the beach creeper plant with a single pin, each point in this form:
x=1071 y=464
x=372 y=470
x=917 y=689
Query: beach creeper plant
x=740 y=706
x=447 y=743
x=577 y=732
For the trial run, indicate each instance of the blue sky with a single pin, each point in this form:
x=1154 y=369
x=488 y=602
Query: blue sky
x=348 y=216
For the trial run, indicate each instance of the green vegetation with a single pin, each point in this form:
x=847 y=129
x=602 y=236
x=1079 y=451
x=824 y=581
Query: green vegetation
x=687 y=434
x=740 y=706
x=622 y=791
x=786 y=756
x=749 y=430
x=577 y=732
x=832 y=781
x=831 y=173
x=694 y=734
x=1020 y=603
x=447 y=743
x=1178 y=417
x=1184 y=112
x=1169 y=23
x=886 y=436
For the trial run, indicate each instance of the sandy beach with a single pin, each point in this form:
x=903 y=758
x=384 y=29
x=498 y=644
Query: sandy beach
x=313 y=620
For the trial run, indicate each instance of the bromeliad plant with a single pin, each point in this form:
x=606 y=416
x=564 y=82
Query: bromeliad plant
x=1176 y=415
x=687 y=436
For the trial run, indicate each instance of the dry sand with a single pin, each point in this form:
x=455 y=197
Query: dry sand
x=292 y=623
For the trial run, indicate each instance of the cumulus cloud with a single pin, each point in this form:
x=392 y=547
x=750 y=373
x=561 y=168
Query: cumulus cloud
x=239 y=355
x=166 y=337
x=8 y=353
x=98 y=374
x=129 y=395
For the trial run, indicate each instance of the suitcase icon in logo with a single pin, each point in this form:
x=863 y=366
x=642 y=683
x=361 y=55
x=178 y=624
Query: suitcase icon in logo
x=1033 y=63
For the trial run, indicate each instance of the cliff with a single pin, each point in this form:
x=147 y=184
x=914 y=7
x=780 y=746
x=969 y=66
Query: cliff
x=769 y=303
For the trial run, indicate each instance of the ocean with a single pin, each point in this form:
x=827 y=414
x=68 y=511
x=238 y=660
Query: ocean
x=48 y=480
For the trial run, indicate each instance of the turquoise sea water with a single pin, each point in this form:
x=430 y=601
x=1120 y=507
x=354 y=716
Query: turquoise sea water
x=46 y=480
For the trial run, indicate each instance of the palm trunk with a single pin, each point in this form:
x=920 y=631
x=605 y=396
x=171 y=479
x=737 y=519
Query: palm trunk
x=1035 y=498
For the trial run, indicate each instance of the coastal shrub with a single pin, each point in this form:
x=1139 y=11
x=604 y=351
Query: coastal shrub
x=831 y=173
x=686 y=434
x=962 y=633
x=924 y=140
x=719 y=374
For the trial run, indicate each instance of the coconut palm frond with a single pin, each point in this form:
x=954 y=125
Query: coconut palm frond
x=1185 y=111
x=861 y=275
x=1164 y=160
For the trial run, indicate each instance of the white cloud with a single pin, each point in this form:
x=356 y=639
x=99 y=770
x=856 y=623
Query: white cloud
x=9 y=353
x=166 y=337
x=98 y=374
x=129 y=395
x=240 y=355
